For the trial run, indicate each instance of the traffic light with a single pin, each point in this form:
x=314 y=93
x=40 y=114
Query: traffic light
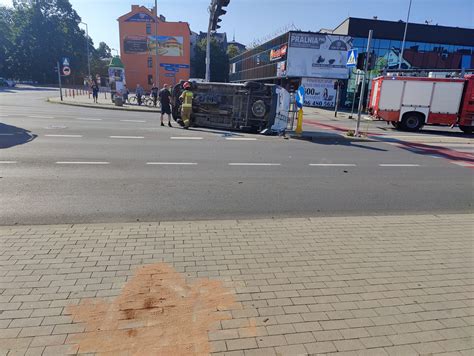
x=217 y=12
x=371 y=63
x=361 y=60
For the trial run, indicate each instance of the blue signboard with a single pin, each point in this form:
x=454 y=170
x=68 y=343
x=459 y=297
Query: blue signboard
x=65 y=62
x=170 y=75
x=140 y=17
x=300 y=97
x=351 y=58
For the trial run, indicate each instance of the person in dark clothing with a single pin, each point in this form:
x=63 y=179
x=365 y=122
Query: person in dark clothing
x=154 y=94
x=139 y=93
x=164 y=96
x=95 y=92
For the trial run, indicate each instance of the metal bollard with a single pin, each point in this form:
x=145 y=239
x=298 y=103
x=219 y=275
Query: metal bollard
x=73 y=95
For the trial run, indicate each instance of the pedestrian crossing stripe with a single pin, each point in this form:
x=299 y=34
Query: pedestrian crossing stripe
x=352 y=58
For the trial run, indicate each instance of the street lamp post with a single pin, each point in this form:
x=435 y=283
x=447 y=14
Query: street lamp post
x=400 y=57
x=87 y=49
x=157 y=79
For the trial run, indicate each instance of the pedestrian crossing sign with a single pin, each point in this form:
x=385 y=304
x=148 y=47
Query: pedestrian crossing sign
x=66 y=62
x=351 y=58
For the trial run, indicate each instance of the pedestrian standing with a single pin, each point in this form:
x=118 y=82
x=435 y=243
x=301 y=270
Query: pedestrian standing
x=165 y=96
x=95 y=92
x=139 y=94
x=154 y=94
x=126 y=92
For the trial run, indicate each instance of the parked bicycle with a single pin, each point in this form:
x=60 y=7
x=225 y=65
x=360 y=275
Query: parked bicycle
x=147 y=100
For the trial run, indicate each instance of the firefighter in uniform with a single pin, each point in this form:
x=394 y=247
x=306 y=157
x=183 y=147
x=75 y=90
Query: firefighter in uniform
x=187 y=104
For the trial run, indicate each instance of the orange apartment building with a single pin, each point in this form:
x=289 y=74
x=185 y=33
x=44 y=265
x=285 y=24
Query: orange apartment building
x=138 y=52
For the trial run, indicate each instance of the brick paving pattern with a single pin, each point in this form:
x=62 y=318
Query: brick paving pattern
x=382 y=285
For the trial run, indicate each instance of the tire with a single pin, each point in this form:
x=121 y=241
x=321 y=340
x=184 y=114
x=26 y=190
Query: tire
x=412 y=121
x=466 y=129
x=132 y=100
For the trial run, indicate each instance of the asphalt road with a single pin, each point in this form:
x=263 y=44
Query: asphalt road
x=61 y=164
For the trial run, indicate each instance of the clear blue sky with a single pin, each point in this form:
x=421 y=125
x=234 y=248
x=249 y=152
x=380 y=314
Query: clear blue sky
x=254 y=19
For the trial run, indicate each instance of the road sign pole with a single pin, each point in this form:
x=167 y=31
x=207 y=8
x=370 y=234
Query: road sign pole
x=337 y=99
x=362 y=91
x=59 y=81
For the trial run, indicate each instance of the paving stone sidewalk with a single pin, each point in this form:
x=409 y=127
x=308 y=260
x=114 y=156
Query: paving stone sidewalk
x=380 y=285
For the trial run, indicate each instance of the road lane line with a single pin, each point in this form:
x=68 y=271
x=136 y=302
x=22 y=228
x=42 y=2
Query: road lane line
x=86 y=119
x=185 y=138
x=6 y=134
x=69 y=136
x=40 y=117
x=171 y=164
x=241 y=138
x=398 y=165
x=132 y=121
x=78 y=162
x=254 y=164
x=332 y=165
x=8 y=162
x=126 y=137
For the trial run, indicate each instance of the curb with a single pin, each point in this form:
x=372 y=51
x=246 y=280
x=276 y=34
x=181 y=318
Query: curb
x=103 y=107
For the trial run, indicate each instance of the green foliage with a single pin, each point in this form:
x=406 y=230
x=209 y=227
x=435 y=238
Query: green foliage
x=232 y=51
x=35 y=34
x=219 y=61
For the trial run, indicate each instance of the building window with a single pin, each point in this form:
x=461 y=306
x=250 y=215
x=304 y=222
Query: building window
x=150 y=79
x=150 y=62
x=148 y=28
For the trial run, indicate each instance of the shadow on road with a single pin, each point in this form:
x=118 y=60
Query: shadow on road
x=11 y=136
x=321 y=138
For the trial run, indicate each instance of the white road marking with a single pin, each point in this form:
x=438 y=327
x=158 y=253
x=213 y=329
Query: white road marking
x=332 y=165
x=94 y=163
x=69 y=136
x=6 y=134
x=171 y=164
x=254 y=164
x=87 y=119
x=7 y=162
x=126 y=137
x=185 y=138
x=241 y=138
x=132 y=121
x=41 y=117
x=398 y=165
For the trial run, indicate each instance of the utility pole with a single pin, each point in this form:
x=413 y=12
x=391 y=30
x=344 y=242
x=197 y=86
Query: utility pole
x=87 y=50
x=215 y=11
x=59 y=80
x=212 y=10
x=362 y=91
x=400 y=57
x=157 y=79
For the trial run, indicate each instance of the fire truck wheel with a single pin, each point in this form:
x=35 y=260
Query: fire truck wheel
x=466 y=129
x=412 y=121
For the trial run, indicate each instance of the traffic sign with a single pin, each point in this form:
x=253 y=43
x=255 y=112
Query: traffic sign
x=66 y=70
x=300 y=97
x=65 y=62
x=351 y=58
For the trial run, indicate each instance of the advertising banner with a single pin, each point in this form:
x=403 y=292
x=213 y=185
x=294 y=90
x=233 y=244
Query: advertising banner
x=135 y=45
x=282 y=109
x=140 y=17
x=319 y=92
x=168 y=46
x=281 y=69
x=278 y=53
x=317 y=55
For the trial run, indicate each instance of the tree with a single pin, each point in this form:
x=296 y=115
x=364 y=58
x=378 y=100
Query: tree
x=6 y=40
x=232 y=51
x=219 y=61
x=103 y=51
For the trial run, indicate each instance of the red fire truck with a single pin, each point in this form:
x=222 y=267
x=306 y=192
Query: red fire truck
x=409 y=103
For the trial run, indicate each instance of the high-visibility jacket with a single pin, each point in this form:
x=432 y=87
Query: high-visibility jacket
x=187 y=97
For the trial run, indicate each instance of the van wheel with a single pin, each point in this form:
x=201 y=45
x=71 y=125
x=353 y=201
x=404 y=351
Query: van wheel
x=466 y=129
x=412 y=122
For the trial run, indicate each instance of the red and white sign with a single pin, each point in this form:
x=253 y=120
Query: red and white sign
x=66 y=70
